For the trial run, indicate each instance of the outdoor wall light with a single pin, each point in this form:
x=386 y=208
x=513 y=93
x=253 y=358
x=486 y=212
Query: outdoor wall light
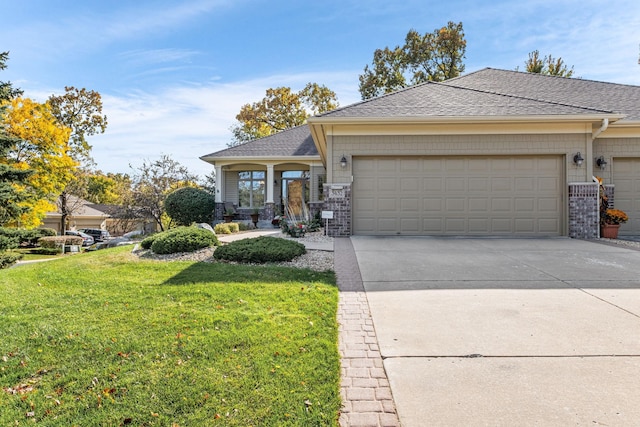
x=577 y=159
x=343 y=161
x=601 y=162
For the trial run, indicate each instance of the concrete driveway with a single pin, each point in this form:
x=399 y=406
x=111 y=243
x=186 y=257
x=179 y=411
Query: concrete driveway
x=506 y=332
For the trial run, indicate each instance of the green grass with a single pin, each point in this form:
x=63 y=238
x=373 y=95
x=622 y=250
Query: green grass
x=106 y=339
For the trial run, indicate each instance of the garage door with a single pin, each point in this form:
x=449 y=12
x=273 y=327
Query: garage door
x=458 y=195
x=626 y=177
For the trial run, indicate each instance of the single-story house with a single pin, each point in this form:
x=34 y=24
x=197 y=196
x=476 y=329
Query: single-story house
x=492 y=152
x=84 y=216
x=113 y=218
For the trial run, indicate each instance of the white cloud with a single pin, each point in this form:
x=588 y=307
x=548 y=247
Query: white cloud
x=186 y=122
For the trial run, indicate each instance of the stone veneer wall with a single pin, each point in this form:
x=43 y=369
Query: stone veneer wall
x=218 y=212
x=337 y=198
x=584 y=216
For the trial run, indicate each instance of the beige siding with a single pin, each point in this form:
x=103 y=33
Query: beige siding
x=231 y=187
x=458 y=195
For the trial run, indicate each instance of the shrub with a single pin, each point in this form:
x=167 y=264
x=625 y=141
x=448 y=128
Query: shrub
x=148 y=241
x=7 y=259
x=226 y=228
x=183 y=239
x=245 y=226
x=29 y=237
x=260 y=250
x=53 y=242
x=188 y=205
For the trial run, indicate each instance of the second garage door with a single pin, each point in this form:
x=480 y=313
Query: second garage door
x=458 y=195
x=626 y=177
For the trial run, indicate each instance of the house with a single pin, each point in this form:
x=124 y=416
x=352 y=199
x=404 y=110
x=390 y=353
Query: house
x=116 y=219
x=493 y=152
x=83 y=216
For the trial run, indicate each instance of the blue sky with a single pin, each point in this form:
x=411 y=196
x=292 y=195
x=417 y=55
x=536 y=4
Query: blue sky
x=173 y=74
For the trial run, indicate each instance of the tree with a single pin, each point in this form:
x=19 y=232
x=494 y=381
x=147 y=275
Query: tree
x=40 y=146
x=11 y=178
x=188 y=205
x=153 y=181
x=81 y=111
x=548 y=65
x=435 y=56
x=281 y=109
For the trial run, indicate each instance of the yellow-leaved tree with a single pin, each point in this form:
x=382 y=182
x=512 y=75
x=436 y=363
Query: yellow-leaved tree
x=42 y=147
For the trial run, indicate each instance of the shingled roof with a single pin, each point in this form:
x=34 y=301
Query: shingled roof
x=296 y=141
x=498 y=93
x=485 y=93
x=588 y=94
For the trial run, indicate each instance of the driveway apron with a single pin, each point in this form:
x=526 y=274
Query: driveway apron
x=505 y=332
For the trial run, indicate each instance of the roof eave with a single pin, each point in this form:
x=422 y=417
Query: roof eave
x=239 y=159
x=591 y=117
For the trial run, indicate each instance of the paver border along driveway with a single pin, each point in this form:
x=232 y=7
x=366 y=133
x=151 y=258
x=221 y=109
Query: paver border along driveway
x=492 y=331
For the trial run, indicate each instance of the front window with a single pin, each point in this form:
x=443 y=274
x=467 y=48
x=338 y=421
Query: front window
x=251 y=189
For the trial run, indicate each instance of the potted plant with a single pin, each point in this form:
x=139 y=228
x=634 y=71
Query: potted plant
x=255 y=215
x=610 y=223
x=228 y=215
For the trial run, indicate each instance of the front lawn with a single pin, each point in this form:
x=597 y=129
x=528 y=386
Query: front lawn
x=107 y=339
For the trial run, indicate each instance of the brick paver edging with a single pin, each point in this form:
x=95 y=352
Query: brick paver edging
x=366 y=394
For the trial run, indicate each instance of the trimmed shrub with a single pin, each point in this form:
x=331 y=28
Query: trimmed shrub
x=183 y=239
x=260 y=250
x=188 y=205
x=226 y=228
x=148 y=241
x=7 y=259
x=52 y=242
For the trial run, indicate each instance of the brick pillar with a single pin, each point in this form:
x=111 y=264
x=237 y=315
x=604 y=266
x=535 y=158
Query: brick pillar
x=584 y=216
x=337 y=198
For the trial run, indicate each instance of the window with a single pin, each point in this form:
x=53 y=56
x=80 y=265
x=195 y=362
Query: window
x=251 y=189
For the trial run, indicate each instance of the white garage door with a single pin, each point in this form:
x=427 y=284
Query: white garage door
x=458 y=195
x=626 y=177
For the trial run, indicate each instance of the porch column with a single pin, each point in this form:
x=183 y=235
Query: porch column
x=270 y=179
x=219 y=184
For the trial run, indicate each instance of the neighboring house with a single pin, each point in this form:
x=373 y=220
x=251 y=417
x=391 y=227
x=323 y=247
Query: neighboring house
x=113 y=218
x=84 y=215
x=493 y=152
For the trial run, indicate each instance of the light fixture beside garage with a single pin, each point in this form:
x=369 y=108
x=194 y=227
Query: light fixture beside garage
x=577 y=159
x=601 y=162
x=343 y=161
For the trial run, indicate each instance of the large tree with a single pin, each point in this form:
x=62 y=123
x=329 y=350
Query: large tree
x=81 y=111
x=435 y=56
x=12 y=179
x=153 y=181
x=281 y=109
x=547 y=65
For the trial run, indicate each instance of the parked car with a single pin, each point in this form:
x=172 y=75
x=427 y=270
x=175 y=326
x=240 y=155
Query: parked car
x=86 y=239
x=98 y=234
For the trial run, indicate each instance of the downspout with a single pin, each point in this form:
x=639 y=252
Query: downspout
x=605 y=125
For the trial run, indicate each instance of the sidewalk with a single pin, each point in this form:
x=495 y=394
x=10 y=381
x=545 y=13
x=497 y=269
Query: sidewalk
x=365 y=389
